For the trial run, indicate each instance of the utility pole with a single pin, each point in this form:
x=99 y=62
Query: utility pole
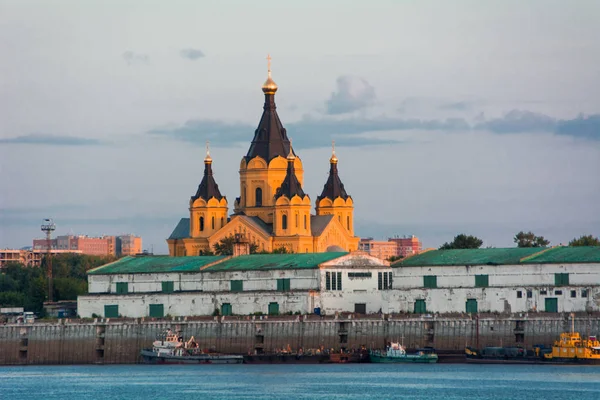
x=48 y=227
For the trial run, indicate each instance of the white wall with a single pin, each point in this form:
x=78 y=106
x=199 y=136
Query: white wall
x=205 y=281
x=492 y=299
x=189 y=304
x=499 y=275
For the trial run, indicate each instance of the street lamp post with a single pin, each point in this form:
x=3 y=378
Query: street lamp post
x=48 y=227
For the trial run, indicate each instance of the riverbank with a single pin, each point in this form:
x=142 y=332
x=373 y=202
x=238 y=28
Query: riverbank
x=119 y=341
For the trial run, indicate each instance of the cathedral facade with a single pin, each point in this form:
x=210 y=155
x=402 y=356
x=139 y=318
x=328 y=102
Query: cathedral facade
x=273 y=211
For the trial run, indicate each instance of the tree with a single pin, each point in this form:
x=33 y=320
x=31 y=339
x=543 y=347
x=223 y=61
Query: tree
x=463 y=241
x=225 y=246
x=281 y=250
x=585 y=240
x=529 y=239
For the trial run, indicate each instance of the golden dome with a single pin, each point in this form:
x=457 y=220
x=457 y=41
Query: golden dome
x=269 y=87
x=333 y=159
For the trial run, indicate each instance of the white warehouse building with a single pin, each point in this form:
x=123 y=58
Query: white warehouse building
x=558 y=279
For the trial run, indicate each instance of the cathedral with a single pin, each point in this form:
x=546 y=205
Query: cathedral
x=273 y=211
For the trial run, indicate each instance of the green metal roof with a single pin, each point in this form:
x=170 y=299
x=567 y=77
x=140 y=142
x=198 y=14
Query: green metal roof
x=567 y=255
x=264 y=262
x=150 y=264
x=470 y=257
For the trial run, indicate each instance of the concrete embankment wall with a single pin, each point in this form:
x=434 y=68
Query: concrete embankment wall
x=117 y=341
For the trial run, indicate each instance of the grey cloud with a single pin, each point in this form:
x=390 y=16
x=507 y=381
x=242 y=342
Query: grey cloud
x=308 y=132
x=352 y=94
x=582 y=127
x=191 y=54
x=519 y=121
x=456 y=106
x=132 y=58
x=53 y=140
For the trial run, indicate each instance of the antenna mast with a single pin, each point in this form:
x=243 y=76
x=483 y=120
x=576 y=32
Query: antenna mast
x=48 y=227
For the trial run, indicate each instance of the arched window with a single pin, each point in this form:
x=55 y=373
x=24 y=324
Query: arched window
x=348 y=222
x=213 y=222
x=244 y=198
x=296 y=220
x=222 y=222
x=258 y=196
x=305 y=223
x=201 y=224
x=284 y=221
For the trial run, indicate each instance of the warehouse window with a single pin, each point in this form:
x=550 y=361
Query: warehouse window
x=384 y=280
x=339 y=281
x=283 y=285
x=519 y=294
x=226 y=309
x=430 y=281
x=328 y=280
x=561 y=279
x=168 y=287
x=573 y=293
x=237 y=285
x=156 y=311
x=583 y=293
x=122 y=287
x=273 y=308
x=482 y=281
x=471 y=306
x=359 y=274
x=420 y=307
x=111 y=311
x=333 y=280
x=529 y=294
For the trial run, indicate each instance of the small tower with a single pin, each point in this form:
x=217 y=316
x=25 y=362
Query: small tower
x=208 y=208
x=334 y=200
x=292 y=212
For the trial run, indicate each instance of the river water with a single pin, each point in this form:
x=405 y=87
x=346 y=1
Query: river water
x=346 y=381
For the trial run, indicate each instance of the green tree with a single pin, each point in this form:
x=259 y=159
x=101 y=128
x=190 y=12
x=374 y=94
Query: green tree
x=585 y=240
x=225 y=246
x=463 y=241
x=281 y=250
x=69 y=288
x=529 y=239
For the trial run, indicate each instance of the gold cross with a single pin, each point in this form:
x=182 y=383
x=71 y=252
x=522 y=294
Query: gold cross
x=269 y=62
x=208 y=147
x=333 y=146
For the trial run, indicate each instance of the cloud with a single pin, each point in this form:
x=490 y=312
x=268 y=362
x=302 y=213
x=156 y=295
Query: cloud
x=582 y=127
x=352 y=94
x=308 y=132
x=456 y=106
x=53 y=140
x=519 y=121
x=191 y=54
x=132 y=58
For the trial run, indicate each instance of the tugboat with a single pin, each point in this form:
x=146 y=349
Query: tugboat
x=170 y=348
x=571 y=348
x=396 y=353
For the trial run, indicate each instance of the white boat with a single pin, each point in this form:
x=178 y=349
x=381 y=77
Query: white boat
x=170 y=348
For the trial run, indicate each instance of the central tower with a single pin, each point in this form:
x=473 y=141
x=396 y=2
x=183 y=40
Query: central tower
x=265 y=166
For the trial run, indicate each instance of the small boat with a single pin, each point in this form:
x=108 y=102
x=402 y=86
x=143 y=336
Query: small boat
x=170 y=348
x=396 y=353
x=505 y=355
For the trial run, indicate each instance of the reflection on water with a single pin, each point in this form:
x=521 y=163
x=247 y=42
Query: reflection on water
x=351 y=381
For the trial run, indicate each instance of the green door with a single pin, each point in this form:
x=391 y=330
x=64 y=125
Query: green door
x=111 y=311
x=157 y=311
x=420 y=307
x=471 y=306
x=551 y=304
x=273 y=308
x=226 y=309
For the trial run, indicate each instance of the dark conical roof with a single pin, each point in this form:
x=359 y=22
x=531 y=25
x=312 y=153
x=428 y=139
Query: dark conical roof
x=208 y=188
x=334 y=187
x=270 y=138
x=290 y=185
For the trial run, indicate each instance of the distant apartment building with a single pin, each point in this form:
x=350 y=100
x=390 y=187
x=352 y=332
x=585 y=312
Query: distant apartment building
x=122 y=245
x=393 y=247
x=30 y=258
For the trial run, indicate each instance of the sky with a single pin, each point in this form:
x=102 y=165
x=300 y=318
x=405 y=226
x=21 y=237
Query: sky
x=449 y=117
